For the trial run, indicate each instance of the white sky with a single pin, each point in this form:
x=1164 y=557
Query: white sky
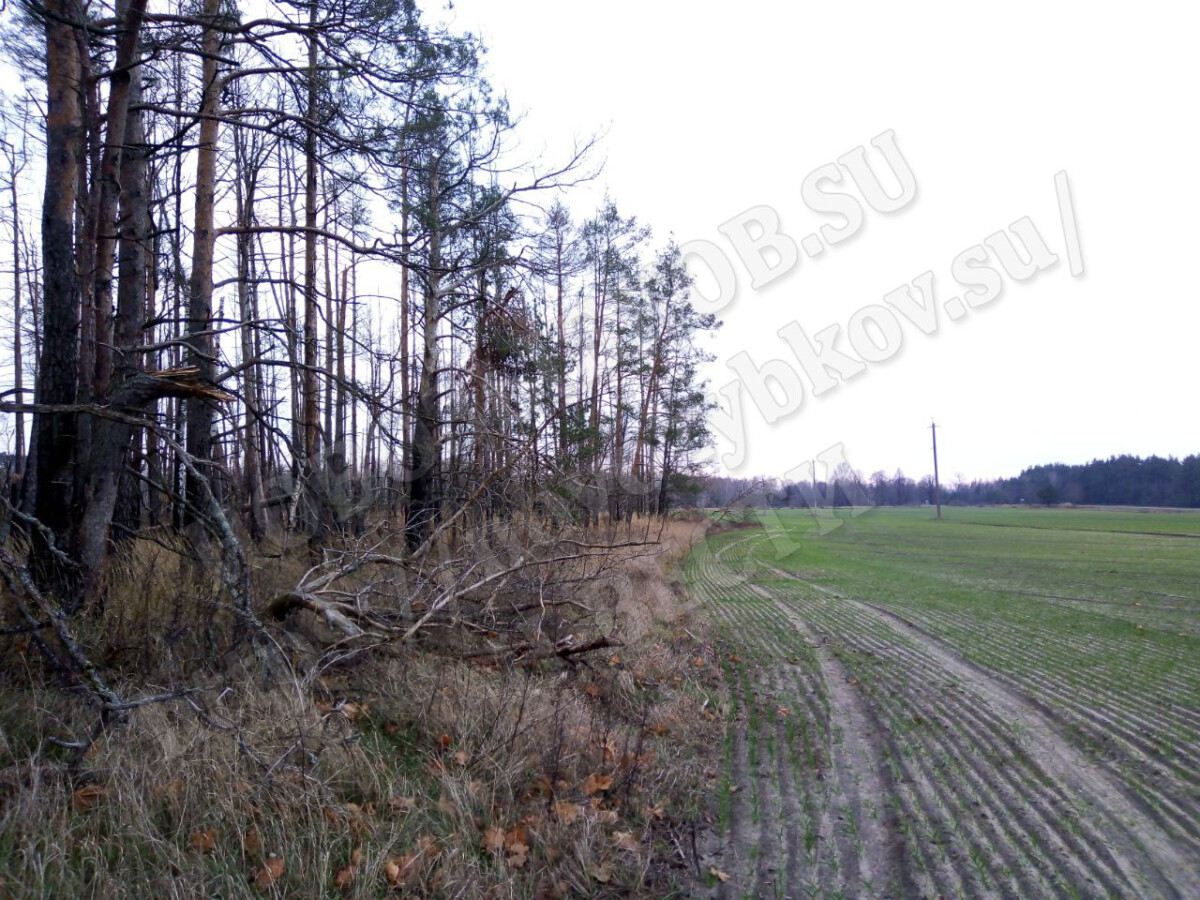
x=712 y=109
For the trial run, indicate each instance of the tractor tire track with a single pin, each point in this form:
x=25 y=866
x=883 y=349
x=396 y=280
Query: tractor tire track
x=1130 y=844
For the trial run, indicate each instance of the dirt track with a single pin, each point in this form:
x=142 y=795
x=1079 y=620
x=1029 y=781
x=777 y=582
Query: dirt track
x=867 y=759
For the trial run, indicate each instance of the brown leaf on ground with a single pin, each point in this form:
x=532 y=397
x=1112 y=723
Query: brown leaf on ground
x=461 y=757
x=271 y=871
x=626 y=841
x=566 y=812
x=518 y=854
x=602 y=873
x=360 y=823
x=87 y=797
x=401 y=805
x=171 y=789
x=251 y=843
x=721 y=876
x=204 y=841
x=400 y=869
x=344 y=877
x=595 y=783
x=493 y=839
x=355 y=711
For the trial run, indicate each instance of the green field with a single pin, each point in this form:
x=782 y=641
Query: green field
x=1005 y=702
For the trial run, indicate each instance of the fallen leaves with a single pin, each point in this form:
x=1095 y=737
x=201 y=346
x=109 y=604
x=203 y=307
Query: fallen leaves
x=493 y=839
x=400 y=871
x=204 y=841
x=718 y=874
x=517 y=855
x=272 y=870
x=626 y=841
x=87 y=797
x=514 y=843
x=605 y=816
x=402 y=805
x=171 y=789
x=594 y=783
x=344 y=877
x=567 y=812
x=355 y=711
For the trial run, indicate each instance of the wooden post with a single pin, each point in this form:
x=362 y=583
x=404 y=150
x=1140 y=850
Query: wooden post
x=937 y=486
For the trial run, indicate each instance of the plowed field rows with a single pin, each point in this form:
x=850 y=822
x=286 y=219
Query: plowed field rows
x=955 y=709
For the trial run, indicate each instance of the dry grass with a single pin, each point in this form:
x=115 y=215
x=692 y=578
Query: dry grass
x=406 y=772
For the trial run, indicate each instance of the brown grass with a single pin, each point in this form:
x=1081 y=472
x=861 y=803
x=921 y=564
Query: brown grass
x=405 y=772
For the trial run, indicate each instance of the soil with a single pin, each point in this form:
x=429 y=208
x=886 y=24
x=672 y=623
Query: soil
x=916 y=773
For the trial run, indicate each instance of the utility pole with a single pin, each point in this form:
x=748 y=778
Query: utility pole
x=937 y=485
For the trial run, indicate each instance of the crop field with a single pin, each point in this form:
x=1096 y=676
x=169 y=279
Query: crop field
x=1003 y=703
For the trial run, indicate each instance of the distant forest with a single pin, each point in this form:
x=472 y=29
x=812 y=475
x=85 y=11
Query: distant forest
x=1118 y=481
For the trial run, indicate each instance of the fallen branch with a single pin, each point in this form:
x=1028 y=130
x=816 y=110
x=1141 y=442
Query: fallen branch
x=338 y=616
x=527 y=654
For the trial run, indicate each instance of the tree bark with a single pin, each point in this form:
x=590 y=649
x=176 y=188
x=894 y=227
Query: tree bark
x=58 y=363
x=422 y=501
x=199 y=411
x=248 y=306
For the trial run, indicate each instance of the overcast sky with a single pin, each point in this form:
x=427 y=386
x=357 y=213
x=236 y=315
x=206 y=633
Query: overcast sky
x=712 y=110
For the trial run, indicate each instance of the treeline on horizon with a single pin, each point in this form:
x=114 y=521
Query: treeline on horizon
x=1118 y=481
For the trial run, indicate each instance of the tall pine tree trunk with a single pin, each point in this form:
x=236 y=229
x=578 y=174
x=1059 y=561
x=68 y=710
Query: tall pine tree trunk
x=199 y=411
x=58 y=364
x=422 y=500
